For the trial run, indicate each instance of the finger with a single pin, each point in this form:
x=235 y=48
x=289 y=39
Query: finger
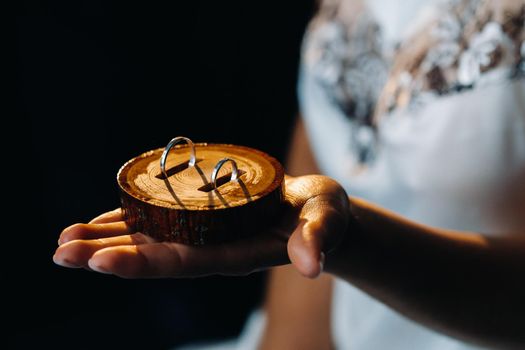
x=321 y=226
x=178 y=260
x=107 y=217
x=77 y=253
x=93 y=231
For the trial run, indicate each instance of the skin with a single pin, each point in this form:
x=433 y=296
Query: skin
x=298 y=309
x=463 y=284
x=107 y=245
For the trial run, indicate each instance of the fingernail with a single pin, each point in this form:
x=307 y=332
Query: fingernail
x=62 y=241
x=64 y=263
x=97 y=268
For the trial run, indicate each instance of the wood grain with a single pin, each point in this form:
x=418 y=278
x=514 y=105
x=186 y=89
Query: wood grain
x=185 y=208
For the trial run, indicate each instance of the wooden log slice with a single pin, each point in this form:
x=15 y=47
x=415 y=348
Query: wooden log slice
x=186 y=208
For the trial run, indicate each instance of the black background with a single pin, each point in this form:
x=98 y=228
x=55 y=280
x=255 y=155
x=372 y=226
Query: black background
x=99 y=82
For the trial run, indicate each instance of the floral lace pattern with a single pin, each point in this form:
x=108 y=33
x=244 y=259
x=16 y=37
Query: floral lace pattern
x=468 y=43
x=346 y=57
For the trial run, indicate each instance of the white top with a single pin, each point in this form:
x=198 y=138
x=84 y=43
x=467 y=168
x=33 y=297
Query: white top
x=402 y=115
x=440 y=161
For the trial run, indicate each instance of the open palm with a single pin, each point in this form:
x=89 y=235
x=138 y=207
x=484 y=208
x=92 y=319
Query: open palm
x=315 y=219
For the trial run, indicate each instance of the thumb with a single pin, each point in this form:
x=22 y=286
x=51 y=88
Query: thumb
x=322 y=223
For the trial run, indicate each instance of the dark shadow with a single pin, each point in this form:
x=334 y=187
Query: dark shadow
x=245 y=190
x=176 y=169
x=96 y=68
x=208 y=187
x=205 y=181
x=173 y=194
x=221 y=198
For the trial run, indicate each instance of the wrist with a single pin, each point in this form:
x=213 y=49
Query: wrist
x=343 y=257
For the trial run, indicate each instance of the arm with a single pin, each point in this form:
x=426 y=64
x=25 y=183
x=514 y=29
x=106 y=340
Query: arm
x=297 y=311
x=297 y=308
x=466 y=285
x=463 y=284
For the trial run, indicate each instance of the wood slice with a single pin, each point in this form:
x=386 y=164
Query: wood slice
x=186 y=208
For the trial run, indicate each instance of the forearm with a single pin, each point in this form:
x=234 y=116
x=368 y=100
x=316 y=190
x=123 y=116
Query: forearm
x=297 y=308
x=464 y=284
x=297 y=311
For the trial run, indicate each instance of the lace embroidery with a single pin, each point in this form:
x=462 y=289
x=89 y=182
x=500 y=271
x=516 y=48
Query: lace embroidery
x=475 y=42
x=347 y=60
x=469 y=43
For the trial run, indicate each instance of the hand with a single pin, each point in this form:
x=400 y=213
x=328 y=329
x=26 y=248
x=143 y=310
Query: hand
x=314 y=223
